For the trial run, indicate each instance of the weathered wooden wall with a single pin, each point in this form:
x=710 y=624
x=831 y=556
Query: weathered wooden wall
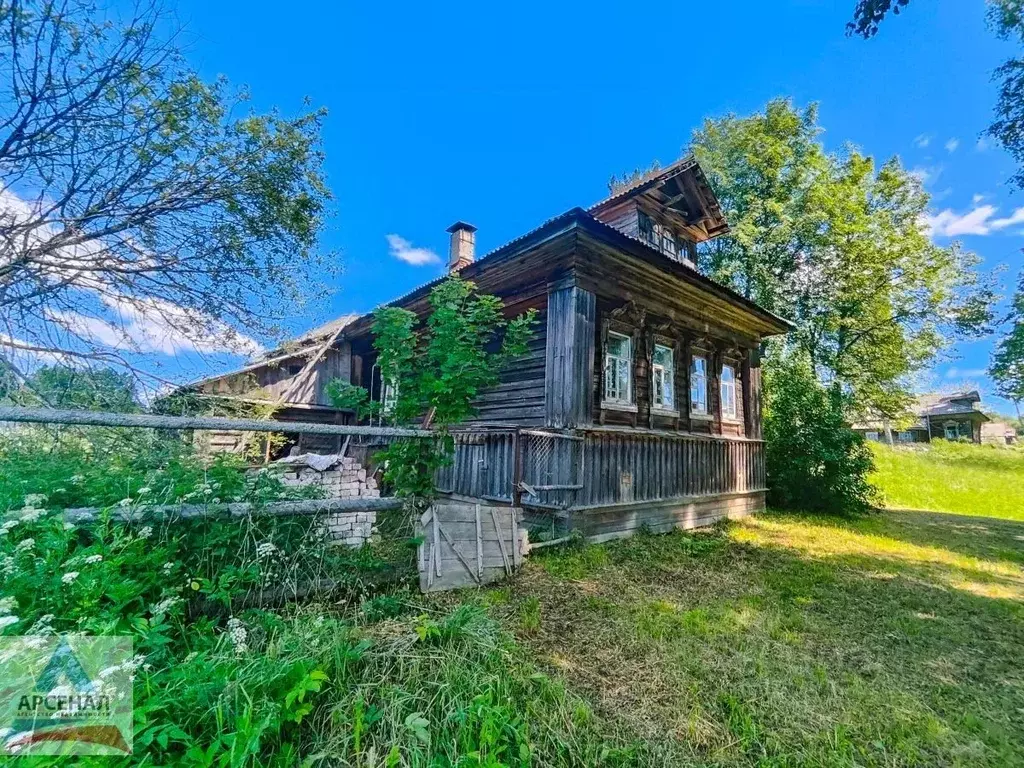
x=271 y=381
x=660 y=517
x=483 y=466
x=625 y=467
x=598 y=467
x=570 y=357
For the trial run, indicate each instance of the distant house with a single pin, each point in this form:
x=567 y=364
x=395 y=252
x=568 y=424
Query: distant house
x=639 y=401
x=998 y=433
x=956 y=416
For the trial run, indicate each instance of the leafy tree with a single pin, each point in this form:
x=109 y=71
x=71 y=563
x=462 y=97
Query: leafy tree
x=1007 y=366
x=760 y=167
x=837 y=245
x=61 y=386
x=135 y=198
x=436 y=369
x=869 y=14
x=1006 y=18
x=814 y=461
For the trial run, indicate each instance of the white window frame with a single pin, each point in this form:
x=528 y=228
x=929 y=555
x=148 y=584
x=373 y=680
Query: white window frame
x=946 y=428
x=730 y=411
x=622 y=366
x=663 y=380
x=699 y=383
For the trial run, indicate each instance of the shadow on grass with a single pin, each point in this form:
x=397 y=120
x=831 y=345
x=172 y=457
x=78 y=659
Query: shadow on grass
x=986 y=537
x=794 y=640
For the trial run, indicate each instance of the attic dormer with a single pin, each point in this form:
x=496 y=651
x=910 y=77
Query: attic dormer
x=671 y=210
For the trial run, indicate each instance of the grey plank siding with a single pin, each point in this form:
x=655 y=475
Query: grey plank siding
x=628 y=467
x=569 y=357
x=483 y=466
x=617 y=467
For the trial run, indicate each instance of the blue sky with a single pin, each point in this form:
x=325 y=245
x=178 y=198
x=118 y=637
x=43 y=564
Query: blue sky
x=505 y=115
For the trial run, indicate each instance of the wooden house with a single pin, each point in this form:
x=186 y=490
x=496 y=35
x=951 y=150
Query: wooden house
x=638 y=403
x=955 y=416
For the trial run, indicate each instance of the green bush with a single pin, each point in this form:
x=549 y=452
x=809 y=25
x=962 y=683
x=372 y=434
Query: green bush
x=814 y=461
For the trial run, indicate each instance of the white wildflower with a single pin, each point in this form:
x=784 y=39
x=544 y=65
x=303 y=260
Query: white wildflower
x=78 y=479
x=7 y=605
x=8 y=526
x=25 y=544
x=6 y=621
x=6 y=565
x=34 y=500
x=236 y=630
x=68 y=577
x=124 y=503
x=31 y=514
x=42 y=625
x=167 y=568
x=145 y=532
x=93 y=559
x=165 y=605
x=144 y=490
x=265 y=549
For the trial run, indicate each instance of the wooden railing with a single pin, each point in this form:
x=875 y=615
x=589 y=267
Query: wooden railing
x=600 y=466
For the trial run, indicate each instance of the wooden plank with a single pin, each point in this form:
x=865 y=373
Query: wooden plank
x=311 y=507
x=479 y=545
x=465 y=563
x=102 y=419
x=501 y=544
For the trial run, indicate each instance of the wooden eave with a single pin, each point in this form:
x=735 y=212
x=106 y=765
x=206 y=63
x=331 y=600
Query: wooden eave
x=679 y=195
x=724 y=303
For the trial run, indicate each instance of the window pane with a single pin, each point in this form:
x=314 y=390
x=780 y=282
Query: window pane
x=618 y=345
x=662 y=355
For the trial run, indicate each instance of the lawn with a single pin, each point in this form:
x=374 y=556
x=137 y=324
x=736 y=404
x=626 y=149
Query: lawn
x=952 y=477
x=790 y=641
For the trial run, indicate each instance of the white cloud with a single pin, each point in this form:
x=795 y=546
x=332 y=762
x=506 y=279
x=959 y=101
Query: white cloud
x=923 y=175
x=926 y=174
x=116 y=321
x=965 y=373
x=152 y=325
x=952 y=144
x=977 y=199
x=922 y=141
x=978 y=221
x=403 y=250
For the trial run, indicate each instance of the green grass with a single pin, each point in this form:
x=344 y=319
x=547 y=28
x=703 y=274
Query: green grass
x=892 y=640
x=952 y=477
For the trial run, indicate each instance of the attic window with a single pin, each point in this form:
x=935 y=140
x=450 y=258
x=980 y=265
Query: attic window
x=659 y=236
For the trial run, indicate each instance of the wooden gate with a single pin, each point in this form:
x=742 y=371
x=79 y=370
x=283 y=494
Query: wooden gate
x=467 y=544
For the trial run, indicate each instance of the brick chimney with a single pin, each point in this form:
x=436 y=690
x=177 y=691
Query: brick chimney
x=461 y=248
